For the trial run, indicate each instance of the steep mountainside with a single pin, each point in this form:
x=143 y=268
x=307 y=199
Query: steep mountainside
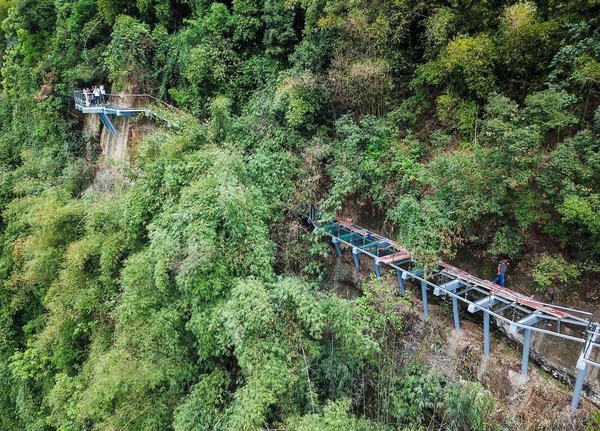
x=164 y=281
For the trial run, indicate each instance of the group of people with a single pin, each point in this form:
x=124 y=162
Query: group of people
x=95 y=96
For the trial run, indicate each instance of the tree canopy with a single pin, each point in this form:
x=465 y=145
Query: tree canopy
x=177 y=291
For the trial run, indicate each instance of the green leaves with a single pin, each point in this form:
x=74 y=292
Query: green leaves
x=368 y=156
x=426 y=228
x=300 y=98
x=203 y=407
x=248 y=313
x=468 y=60
x=128 y=54
x=548 y=110
x=157 y=296
x=335 y=416
x=553 y=270
x=583 y=211
x=517 y=17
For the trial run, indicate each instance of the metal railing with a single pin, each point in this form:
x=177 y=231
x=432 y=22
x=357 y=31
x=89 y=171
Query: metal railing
x=123 y=103
x=473 y=288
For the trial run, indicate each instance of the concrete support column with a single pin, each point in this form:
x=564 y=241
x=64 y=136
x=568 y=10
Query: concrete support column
x=486 y=333
x=526 y=345
x=455 y=309
x=425 y=299
x=578 y=386
x=336 y=243
x=355 y=252
x=399 y=274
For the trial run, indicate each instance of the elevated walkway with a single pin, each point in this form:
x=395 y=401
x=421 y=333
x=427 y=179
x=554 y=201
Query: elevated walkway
x=120 y=105
x=520 y=312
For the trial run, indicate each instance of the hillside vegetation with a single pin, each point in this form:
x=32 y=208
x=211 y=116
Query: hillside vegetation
x=179 y=291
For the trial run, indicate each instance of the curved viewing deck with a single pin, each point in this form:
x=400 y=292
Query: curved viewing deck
x=120 y=105
x=519 y=312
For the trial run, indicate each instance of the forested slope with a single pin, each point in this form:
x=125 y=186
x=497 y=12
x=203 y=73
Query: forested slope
x=179 y=291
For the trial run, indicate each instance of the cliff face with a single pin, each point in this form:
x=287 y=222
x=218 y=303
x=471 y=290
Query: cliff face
x=131 y=129
x=116 y=147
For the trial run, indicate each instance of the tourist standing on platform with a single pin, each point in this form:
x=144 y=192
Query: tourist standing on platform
x=102 y=95
x=86 y=93
x=96 y=95
x=502 y=267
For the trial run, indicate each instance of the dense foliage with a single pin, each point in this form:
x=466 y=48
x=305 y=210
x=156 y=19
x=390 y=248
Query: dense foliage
x=171 y=293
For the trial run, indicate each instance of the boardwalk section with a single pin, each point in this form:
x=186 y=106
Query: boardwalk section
x=519 y=312
x=119 y=105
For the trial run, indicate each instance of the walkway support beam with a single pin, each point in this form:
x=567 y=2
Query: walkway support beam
x=377 y=268
x=425 y=299
x=336 y=243
x=455 y=310
x=578 y=386
x=483 y=304
x=400 y=281
x=526 y=345
x=355 y=252
x=528 y=320
x=486 y=333
x=451 y=286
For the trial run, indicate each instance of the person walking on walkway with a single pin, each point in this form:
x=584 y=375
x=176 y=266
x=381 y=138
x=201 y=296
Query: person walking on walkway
x=102 y=95
x=502 y=267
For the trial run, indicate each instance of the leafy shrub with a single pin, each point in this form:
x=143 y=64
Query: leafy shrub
x=439 y=28
x=554 y=270
x=458 y=114
x=425 y=228
x=128 y=55
x=468 y=60
x=335 y=417
x=549 y=109
x=301 y=98
x=517 y=17
x=423 y=395
x=583 y=211
x=507 y=241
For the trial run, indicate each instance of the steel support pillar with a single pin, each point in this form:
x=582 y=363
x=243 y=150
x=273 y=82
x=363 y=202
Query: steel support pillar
x=377 y=268
x=526 y=344
x=355 y=252
x=336 y=243
x=578 y=387
x=455 y=309
x=399 y=274
x=486 y=333
x=424 y=294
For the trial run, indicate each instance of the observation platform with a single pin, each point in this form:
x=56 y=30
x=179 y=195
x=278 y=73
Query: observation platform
x=520 y=312
x=120 y=105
